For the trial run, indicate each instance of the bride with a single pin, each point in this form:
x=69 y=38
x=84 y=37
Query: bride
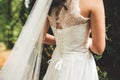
x=72 y=22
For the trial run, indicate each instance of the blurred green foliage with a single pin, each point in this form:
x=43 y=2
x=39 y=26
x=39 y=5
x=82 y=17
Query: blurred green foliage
x=10 y=23
x=110 y=61
x=13 y=15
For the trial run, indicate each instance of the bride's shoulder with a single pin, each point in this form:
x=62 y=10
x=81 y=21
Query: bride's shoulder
x=95 y=3
x=91 y=3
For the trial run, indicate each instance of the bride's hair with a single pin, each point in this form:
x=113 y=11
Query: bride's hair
x=57 y=3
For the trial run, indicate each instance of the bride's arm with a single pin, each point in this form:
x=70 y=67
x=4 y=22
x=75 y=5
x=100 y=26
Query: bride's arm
x=97 y=23
x=47 y=38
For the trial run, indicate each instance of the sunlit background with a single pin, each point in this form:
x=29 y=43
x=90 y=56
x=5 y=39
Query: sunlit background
x=13 y=15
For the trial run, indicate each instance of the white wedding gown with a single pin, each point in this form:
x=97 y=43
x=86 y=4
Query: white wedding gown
x=71 y=58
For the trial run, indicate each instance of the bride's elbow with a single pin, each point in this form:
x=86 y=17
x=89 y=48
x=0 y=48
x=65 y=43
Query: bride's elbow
x=98 y=49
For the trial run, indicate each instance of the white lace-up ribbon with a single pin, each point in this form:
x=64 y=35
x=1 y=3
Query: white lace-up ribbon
x=58 y=63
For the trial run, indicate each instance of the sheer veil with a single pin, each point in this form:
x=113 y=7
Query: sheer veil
x=25 y=58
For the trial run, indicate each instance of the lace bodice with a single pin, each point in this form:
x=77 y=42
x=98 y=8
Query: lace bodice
x=75 y=30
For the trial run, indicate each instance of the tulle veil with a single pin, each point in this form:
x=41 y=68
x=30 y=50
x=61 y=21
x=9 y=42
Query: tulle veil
x=24 y=61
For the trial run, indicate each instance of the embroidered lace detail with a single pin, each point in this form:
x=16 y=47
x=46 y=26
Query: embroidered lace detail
x=68 y=18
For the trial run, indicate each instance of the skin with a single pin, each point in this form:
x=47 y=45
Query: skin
x=94 y=9
x=47 y=38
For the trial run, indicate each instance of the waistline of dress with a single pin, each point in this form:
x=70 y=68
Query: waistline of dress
x=59 y=61
x=80 y=50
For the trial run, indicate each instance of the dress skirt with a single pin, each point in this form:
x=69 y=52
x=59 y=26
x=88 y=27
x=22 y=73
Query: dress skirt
x=71 y=66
